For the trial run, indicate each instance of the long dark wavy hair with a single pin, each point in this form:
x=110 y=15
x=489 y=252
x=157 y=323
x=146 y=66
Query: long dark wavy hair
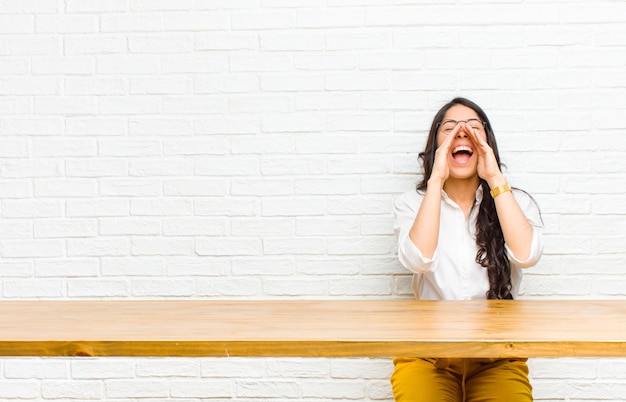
x=491 y=253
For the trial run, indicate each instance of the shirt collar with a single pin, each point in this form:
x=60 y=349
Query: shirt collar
x=477 y=199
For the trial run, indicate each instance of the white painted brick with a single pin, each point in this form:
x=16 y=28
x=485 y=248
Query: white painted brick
x=228 y=166
x=163 y=287
x=30 y=86
x=160 y=207
x=131 y=22
x=263 y=19
x=65 y=188
x=263 y=266
x=94 y=247
x=291 y=83
x=136 y=389
x=81 y=44
x=62 y=148
x=281 y=389
x=28 y=45
x=133 y=266
x=97 y=207
x=119 y=148
x=194 y=227
x=196 y=21
x=113 y=126
x=227 y=83
x=365 y=368
x=68 y=268
x=65 y=105
x=299 y=206
x=94 y=86
x=32 y=208
x=94 y=6
x=296 y=288
x=41 y=288
x=76 y=65
x=102 y=369
x=201 y=389
x=126 y=64
x=52 y=24
x=336 y=389
x=274 y=143
x=65 y=228
x=236 y=206
x=226 y=41
x=327 y=226
x=16 y=269
x=35 y=369
x=330 y=17
x=161 y=167
x=201 y=104
x=294 y=246
x=159 y=43
x=233 y=367
x=333 y=186
x=326 y=101
x=260 y=62
x=32 y=248
x=231 y=287
x=380 y=286
x=15 y=189
x=161 y=246
x=262 y=227
x=261 y=187
x=168 y=368
x=326 y=144
x=196 y=266
x=227 y=125
x=322 y=265
x=359 y=122
x=227 y=246
x=95 y=168
x=291 y=41
x=197 y=187
x=325 y=61
x=299 y=368
x=20 y=390
x=363 y=81
x=261 y=103
x=170 y=85
x=131 y=187
x=359 y=246
x=97 y=288
x=193 y=63
x=397 y=16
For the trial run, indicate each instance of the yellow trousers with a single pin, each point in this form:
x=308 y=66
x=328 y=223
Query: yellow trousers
x=460 y=380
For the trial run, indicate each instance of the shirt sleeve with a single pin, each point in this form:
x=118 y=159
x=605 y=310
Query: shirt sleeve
x=531 y=210
x=405 y=211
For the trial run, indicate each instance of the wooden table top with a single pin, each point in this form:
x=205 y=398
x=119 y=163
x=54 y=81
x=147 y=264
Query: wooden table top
x=318 y=328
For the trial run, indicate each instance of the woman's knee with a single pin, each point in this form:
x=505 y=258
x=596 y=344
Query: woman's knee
x=416 y=379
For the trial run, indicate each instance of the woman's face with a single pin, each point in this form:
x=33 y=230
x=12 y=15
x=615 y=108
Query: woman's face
x=463 y=156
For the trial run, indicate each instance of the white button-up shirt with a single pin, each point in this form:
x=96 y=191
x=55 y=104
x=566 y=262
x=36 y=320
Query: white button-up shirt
x=453 y=273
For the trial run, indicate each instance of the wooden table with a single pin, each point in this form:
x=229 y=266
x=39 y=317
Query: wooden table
x=331 y=328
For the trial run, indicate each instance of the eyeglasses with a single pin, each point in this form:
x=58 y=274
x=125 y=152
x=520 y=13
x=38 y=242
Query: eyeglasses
x=448 y=125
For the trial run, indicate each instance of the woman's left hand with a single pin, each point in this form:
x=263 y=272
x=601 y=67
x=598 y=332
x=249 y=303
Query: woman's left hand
x=488 y=168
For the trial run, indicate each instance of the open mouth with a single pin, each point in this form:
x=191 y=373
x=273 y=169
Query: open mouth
x=462 y=153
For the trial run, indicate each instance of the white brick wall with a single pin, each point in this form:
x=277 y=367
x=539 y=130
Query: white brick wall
x=251 y=149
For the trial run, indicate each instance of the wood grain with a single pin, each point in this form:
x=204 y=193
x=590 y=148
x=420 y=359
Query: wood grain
x=328 y=328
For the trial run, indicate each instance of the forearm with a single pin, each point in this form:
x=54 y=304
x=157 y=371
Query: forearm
x=425 y=230
x=517 y=231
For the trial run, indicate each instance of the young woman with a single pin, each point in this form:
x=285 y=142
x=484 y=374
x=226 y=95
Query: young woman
x=465 y=234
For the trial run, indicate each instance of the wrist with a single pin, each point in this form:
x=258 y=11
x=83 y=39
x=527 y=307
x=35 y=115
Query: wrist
x=495 y=181
x=435 y=183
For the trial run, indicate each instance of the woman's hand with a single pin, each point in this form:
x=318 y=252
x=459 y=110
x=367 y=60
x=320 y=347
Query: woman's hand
x=488 y=168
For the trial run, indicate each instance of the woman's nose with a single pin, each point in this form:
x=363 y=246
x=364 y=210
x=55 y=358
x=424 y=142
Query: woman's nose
x=461 y=134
